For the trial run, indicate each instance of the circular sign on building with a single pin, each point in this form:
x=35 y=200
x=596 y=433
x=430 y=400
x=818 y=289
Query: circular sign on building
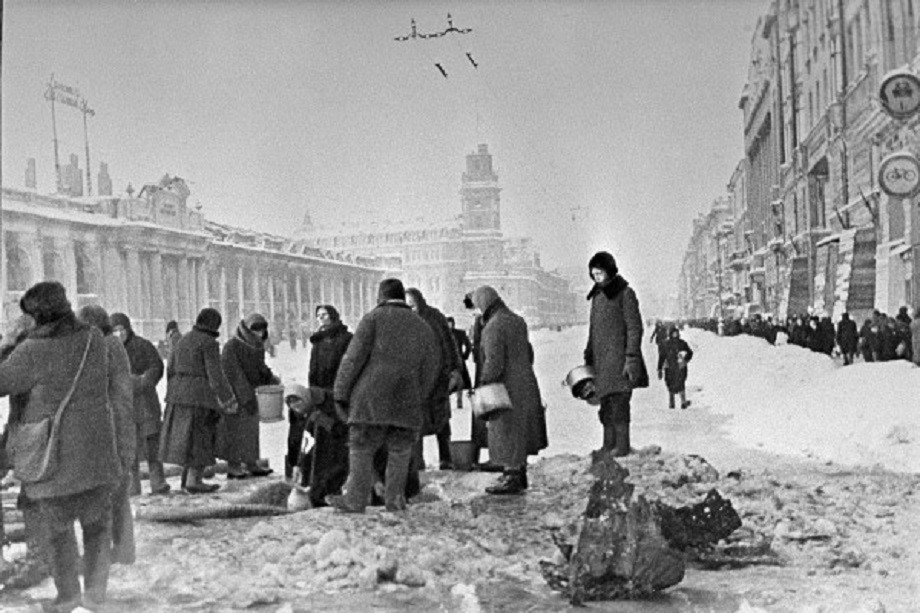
x=899 y=175
x=899 y=93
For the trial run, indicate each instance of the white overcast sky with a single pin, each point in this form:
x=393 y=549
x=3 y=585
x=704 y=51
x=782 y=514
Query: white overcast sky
x=623 y=110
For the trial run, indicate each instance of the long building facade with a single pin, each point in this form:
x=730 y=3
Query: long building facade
x=153 y=257
x=811 y=229
x=446 y=259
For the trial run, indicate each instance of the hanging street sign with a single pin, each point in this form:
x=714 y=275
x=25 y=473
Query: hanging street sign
x=899 y=93
x=899 y=175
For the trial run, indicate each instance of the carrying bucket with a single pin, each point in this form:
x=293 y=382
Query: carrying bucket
x=490 y=401
x=271 y=402
x=461 y=453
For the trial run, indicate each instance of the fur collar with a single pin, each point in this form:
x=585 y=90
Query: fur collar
x=248 y=337
x=492 y=309
x=64 y=326
x=330 y=331
x=206 y=331
x=617 y=285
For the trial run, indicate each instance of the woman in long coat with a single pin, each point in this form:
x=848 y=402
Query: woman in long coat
x=507 y=357
x=672 y=365
x=328 y=345
x=197 y=393
x=46 y=366
x=121 y=399
x=243 y=362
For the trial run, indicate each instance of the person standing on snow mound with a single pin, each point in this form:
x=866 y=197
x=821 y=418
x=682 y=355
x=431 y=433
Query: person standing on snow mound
x=614 y=349
x=672 y=366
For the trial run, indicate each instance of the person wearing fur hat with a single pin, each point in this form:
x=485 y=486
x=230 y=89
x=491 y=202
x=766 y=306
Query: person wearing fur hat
x=614 y=349
x=243 y=361
x=64 y=369
x=197 y=394
x=507 y=357
x=146 y=372
x=389 y=369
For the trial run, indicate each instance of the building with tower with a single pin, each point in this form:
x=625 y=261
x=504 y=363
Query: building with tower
x=445 y=259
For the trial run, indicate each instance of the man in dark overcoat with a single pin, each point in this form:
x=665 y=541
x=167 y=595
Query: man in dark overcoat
x=388 y=372
x=614 y=349
x=847 y=338
x=146 y=372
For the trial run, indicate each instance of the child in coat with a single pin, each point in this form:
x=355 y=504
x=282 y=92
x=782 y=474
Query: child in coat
x=672 y=366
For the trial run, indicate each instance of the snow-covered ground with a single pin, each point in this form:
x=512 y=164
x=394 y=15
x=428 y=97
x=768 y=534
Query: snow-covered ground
x=784 y=400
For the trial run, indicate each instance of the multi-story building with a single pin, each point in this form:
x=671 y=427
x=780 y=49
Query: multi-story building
x=817 y=229
x=447 y=258
x=154 y=258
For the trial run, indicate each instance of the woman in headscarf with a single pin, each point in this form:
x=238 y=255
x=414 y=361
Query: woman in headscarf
x=121 y=398
x=62 y=367
x=672 y=366
x=507 y=357
x=328 y=345
x=197 y=393
x=243 y=362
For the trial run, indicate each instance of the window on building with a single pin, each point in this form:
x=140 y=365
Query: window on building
x=86 y=269
x=18 y=267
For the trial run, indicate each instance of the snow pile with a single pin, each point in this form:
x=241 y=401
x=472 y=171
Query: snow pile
x=793 y=401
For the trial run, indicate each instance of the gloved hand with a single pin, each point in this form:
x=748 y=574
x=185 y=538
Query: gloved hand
x=230 y=407
x=455 y=382
x=632 y=370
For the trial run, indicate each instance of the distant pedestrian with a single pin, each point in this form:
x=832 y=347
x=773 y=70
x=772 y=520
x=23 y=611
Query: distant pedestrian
x=507 y=358
x=243 y=363
x=146 y=373
x=614 y=349
x=479 y=433
x=382 y=385
x=915 y=337
x=172 y=337
x=847 y=338
x=465 y=347
x=672 y=366
x=197 y=394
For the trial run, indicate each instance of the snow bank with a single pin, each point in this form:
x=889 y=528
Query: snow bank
x=790 y=400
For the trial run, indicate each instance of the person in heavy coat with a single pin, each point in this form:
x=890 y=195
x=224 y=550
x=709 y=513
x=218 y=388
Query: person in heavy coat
x=507 y=358
x=479 y=431
x=146 y=372
x=197 y=394
x=243 y=362
x=388 y=372
x=847 y=338
x=465 y=348
x=672 y=366
x=437 y=406
x=614 y=349
x=121 y=399
x=172 y=336
x=63 y=354
x=327 y=347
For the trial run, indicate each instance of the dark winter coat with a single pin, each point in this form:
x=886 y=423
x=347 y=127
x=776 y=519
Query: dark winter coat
x=465 y=348
x=193 y=373
x=437 y=409
x=146 y=372
x=329 y=345
x=243 y=362
x=507 y=357
x=675 y=374
x=44 y=366
x=389 y=369
x=614 y=335
x=121 y=399
x=847 y=335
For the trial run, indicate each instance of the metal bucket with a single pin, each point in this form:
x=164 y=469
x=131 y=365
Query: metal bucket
x=577 y=379
x=461 y=453
x=491 y=401
x=271 y=402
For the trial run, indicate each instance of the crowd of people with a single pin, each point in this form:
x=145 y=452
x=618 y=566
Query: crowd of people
x=84 y=410
x=880 y=337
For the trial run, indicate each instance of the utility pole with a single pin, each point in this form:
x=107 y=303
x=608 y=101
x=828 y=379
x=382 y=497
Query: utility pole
x=84 y=108
x=50 y=96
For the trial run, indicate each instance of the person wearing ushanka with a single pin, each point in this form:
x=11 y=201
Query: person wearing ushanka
x=197 y=394
x=243 y=361
x=63 y=367
x=614 y=349
x=507 y=357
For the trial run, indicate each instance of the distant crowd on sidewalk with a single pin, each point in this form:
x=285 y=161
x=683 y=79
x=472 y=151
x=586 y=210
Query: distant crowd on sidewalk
x=880 y=338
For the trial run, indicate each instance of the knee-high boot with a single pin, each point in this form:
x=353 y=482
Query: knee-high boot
x=622 y=440
x=610 y=440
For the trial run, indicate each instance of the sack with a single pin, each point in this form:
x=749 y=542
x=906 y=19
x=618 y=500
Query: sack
x=33 y=450
x=491 y=401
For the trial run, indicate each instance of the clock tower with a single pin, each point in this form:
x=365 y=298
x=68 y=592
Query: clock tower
x=479 y=194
